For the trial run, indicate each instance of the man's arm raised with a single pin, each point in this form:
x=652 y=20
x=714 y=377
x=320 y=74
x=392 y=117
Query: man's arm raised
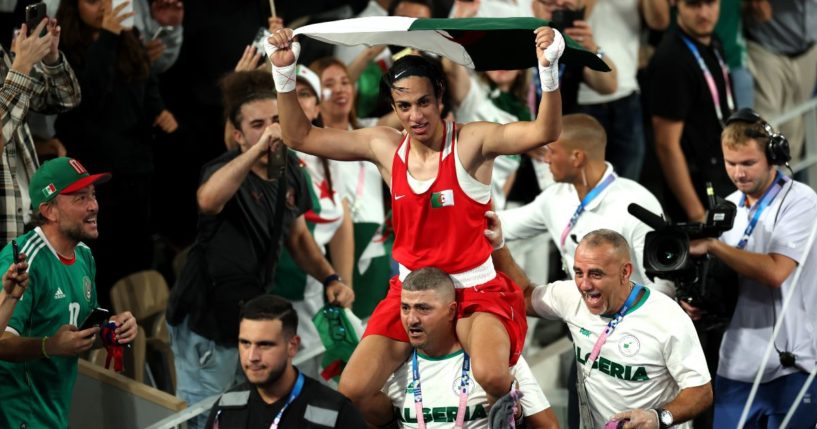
x=298 y=132
x=520 y=137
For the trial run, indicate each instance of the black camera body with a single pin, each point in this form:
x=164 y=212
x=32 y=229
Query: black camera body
x=702 y=281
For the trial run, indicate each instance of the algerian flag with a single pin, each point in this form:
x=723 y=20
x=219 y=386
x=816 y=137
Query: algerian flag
x=477 y=43
x=442 y=199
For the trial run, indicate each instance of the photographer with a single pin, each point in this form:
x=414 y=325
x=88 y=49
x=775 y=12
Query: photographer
x=767 y=242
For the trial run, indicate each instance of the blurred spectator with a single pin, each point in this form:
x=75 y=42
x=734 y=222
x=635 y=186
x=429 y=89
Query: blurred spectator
x=347 y=54
x=36 y=77
x=328 y=221
x=159 y=26
x=768 y=241
x=691 y=97
x=588 y=189
x=363 y=189
x=619 y=25
x=245 y=218
x=783 y=59
x=730 y=32
x=113 y=130
x=276 y=393
x=42 y=342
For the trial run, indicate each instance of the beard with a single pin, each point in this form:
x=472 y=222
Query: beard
x=275 y=374
x=78 y=234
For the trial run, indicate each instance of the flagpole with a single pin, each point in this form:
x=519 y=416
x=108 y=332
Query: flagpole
x=272 y=8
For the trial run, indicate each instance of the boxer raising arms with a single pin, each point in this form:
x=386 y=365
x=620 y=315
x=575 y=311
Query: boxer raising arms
x=439 y=174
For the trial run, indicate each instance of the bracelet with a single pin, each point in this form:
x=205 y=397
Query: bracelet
x=45 y=354
x=331 y=278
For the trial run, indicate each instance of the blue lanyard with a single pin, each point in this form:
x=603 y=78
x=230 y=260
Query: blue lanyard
x=765 y=200
x=299 y=384
x=418 y=393
x=613 y=323
x=584 y=203
x=710 y=80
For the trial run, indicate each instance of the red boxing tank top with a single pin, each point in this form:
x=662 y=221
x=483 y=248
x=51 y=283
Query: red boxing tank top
x=442 y=227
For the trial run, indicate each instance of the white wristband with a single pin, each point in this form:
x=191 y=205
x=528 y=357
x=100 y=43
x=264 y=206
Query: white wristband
x=549 y=76
x=501 y=244
x=284 y=77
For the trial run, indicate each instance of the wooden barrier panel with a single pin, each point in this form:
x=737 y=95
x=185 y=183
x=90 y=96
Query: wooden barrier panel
x=105 y=399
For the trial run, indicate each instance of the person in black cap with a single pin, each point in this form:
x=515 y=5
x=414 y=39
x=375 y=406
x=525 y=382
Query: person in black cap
x=42 y=341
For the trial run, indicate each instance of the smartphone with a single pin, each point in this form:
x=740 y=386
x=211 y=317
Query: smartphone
x=35 y=13
x=128 y=23
x=276 y=162
x=564 y=18
x=97 y=316
x=15 y=249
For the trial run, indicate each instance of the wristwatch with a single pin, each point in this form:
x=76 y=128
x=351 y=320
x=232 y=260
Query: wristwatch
x=664 y=418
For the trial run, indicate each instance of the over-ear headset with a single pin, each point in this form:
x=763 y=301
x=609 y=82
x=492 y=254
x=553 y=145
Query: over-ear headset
x=777 y=148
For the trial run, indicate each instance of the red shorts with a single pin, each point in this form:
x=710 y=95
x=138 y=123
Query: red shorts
x=500 y=297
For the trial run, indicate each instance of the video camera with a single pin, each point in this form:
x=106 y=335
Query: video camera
x=702 y=281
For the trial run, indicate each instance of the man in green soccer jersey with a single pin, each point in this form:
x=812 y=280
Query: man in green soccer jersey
x=41 y=342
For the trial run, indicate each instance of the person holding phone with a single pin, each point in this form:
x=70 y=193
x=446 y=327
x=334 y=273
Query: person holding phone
x=15 y=282
x=40 y=347
x=114 y=129
x=35 y=77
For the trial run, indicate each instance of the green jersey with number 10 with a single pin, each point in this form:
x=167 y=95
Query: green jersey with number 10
x=38 y=392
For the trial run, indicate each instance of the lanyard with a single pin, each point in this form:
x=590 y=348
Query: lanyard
x=611 y=327
x=584 y=203
x=299 y=384
x=418 y=393
x=710 y=80
x=757 y=209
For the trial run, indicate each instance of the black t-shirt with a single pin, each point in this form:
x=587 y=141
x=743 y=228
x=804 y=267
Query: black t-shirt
x=316 y=407
x=230 y=261
x=679 y=92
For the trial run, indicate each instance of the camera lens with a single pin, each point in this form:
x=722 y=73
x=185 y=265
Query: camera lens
x=667 y=253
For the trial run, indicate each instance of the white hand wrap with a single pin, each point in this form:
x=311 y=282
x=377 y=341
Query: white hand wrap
x=284 y=77
x=549 y=76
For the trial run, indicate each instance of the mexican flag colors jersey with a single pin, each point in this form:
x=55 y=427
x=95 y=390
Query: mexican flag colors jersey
x=37 y=393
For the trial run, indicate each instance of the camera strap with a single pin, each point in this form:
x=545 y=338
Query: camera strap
x=710 y=80
x=584 y=203
x=760 y=206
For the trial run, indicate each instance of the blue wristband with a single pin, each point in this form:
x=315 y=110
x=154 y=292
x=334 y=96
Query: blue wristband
x=330 y=278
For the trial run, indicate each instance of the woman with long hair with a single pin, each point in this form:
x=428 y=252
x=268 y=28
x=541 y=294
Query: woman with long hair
x=363 y=190
x=112 y=129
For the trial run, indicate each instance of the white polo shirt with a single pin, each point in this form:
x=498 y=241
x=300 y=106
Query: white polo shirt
x=553 y=208
x=758 y=305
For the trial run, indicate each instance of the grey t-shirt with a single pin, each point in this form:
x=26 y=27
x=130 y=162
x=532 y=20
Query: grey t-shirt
x=792 y=29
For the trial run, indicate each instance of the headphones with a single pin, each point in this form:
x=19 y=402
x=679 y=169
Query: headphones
x=777 y=149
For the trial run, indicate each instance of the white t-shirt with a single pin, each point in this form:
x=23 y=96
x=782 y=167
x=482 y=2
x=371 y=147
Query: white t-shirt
x=440 y=384
x=652 y=355
x=553 y=208
x=750 y=329
x=616 y=28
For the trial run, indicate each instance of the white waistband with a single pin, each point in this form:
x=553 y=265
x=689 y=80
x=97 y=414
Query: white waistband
x=476 y=276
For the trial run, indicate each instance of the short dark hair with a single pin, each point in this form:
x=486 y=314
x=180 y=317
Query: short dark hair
x=271 y=307
x=413 y=65
x=242 y=87
x=429 y=278
x=393 y=6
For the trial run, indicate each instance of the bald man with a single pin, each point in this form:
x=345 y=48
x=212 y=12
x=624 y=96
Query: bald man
x=587 y=195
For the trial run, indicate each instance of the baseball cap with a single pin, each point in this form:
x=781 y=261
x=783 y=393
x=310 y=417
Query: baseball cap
x=310 y=78
x=60 y=176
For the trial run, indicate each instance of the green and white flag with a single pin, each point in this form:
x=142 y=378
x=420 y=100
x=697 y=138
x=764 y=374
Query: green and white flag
x=443 y=198
x=477 y=43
